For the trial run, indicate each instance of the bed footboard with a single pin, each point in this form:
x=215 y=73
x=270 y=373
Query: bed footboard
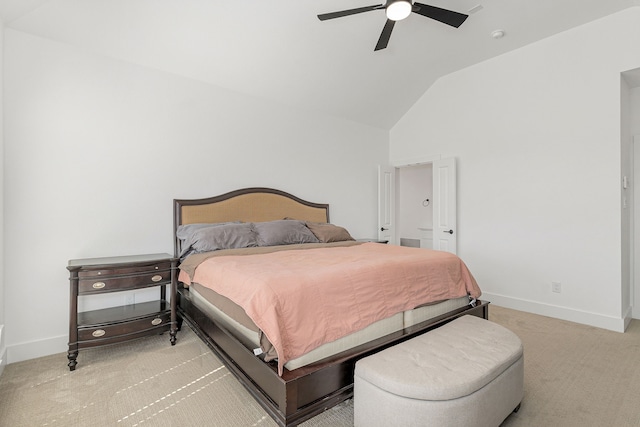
x=303 y=393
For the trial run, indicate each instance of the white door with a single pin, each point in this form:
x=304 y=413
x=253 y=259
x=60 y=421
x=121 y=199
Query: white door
x=444 y=205
x=635 y=264
x=386 y=203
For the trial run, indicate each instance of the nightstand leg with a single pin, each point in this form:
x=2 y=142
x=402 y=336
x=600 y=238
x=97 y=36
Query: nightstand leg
x=72 y=356
x=174 y=301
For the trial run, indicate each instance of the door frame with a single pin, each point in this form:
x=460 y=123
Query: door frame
x=421 y=161
x=633 y=199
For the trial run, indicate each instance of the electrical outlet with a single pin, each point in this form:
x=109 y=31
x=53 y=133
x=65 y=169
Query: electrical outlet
x=556 y=287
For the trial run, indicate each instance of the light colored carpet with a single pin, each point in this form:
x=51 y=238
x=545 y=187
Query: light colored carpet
x=146 y=382
x=575 y=375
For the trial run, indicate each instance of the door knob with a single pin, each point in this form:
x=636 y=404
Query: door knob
x=448 y=231
x=383 y=229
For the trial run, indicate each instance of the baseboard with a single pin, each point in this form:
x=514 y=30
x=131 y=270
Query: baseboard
x=3 y=351
x=3 y=359
x=35 y=349
x=628 y=317
x=558 y=312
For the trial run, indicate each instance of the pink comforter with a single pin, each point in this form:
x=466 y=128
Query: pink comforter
x=302 y=299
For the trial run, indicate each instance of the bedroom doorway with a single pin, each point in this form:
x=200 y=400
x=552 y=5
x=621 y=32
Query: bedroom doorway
x=417 y=204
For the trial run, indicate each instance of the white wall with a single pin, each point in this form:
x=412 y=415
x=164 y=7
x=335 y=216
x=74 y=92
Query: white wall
x=3 y=358
x=537 y=136
x=97 y=149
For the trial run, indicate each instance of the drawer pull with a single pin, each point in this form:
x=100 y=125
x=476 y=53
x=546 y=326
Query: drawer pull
x=156 y=321
x=98 y=333
x=156 y=278
x=99 y=285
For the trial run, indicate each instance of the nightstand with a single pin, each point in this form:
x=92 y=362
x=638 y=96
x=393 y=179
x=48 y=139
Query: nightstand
x=112 y=325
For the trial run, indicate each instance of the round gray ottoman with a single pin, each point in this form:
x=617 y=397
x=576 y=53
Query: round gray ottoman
x=469 y=372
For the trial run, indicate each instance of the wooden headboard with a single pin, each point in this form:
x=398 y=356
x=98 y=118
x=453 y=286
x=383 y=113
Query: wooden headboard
x=247 y=205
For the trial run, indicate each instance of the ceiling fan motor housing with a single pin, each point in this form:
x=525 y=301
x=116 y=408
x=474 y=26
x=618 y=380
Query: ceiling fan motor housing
x=398 y=10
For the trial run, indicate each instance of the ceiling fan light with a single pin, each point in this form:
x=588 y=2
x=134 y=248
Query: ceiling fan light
x=398 y=10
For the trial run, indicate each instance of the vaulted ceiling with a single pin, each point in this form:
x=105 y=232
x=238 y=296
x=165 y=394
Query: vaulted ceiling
x=279 y=50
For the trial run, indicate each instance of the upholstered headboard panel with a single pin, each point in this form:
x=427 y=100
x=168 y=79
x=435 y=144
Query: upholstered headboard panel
x=247 y=205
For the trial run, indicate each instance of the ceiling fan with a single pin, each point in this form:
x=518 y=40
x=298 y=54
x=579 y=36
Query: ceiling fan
x=397 y=10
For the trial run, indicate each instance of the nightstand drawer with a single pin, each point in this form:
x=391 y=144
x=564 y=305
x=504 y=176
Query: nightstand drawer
x=97 y=284
x=124 y=270
x=121 y=330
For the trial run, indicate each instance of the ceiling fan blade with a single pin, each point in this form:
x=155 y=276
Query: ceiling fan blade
x=332 y=15
x=383 y=41
x=445 y=16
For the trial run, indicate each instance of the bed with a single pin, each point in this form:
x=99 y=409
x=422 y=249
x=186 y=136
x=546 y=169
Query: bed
x=299 y=366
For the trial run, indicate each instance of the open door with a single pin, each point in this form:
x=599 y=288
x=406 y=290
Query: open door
x=444 y=205
x=634 y=191
x=386 y=204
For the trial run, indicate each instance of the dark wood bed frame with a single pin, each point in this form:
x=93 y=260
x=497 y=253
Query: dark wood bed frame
x=303 y=393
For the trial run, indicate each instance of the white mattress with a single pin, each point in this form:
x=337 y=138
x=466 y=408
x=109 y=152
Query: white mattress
x=413 y=317
x=251 y=339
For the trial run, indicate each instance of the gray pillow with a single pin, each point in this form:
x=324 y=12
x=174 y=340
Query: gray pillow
x=186 y=232
x=227 y=236
x=283 y=232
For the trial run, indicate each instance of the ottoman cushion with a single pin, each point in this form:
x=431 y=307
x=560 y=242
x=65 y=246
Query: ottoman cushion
x=449 y=362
